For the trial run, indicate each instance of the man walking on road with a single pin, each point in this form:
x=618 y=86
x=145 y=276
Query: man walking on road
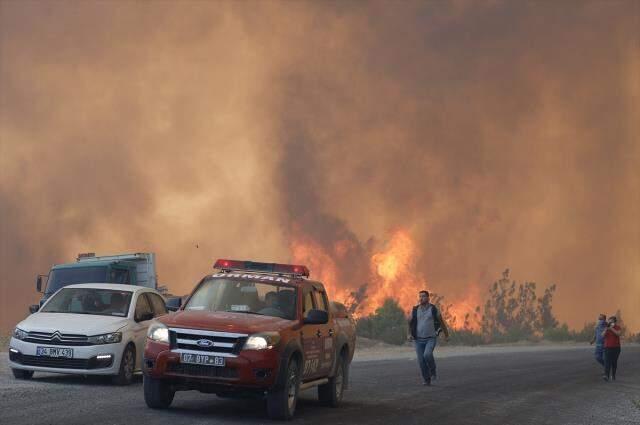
x=424 y=327
x=598 y=338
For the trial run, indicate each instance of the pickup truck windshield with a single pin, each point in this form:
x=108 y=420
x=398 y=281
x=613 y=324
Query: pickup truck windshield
x=242 y=296
x=98 y=274
x=103 y=302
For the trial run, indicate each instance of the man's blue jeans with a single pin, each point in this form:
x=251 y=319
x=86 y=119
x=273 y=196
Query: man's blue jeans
x=424 y=352
x=599 y=354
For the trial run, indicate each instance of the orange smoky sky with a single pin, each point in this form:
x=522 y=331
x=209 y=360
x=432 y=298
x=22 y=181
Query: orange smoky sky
x=491 y=134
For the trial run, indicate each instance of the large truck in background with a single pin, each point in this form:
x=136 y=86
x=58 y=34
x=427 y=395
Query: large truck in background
x=129 y=269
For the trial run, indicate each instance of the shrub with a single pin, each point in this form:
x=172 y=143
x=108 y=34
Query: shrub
x=558 y=334
x=387 y=324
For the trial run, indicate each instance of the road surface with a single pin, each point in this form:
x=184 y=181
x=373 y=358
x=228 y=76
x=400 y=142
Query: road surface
x=559 y=386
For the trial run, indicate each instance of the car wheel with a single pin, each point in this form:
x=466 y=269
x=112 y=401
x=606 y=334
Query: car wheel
x=157 y=393
x=330 y=394
x=127 y=366
x=22 y=374
x=281 y=403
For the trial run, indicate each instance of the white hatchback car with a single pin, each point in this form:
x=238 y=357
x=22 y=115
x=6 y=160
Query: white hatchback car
x=87 y=329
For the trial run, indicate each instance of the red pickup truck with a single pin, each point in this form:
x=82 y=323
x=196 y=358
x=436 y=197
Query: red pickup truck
x=252 y=328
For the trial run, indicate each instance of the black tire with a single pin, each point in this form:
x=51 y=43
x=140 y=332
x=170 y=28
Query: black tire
x=127 y=366
x=330 y=394
x=158 y=394
x=22 y=374
x=281 y=403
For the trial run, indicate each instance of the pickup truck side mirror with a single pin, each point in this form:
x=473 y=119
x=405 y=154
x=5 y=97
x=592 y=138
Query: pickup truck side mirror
x=174 y=303
x=33 y=308
x=39 y=284
x=316 y=317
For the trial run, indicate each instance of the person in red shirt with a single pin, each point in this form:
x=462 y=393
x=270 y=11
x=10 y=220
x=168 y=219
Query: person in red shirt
x=611 y=336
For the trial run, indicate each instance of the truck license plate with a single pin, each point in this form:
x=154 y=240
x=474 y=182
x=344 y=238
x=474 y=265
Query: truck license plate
x=202 y=359
x=66 y=353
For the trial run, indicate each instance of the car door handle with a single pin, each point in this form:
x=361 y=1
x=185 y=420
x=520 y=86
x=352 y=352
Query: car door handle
x=330 y=332
x=318 y=333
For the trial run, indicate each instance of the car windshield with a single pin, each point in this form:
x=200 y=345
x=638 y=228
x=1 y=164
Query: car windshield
x=244 y=296
x=60 y=278
x=103 y=302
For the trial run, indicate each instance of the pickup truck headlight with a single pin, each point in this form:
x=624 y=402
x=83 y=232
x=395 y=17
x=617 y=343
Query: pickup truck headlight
x=20 y=334
x=262 y=341
x=158 y=332
x=110 y=338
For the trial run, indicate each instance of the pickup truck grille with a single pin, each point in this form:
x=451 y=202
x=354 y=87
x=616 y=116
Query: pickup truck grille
x=198 y=370
x=224 y=344
x=56 y=338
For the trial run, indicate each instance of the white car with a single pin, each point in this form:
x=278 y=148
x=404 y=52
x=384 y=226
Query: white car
x=87 y=329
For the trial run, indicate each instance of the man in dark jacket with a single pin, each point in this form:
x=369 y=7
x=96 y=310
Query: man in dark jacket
x=425 y=326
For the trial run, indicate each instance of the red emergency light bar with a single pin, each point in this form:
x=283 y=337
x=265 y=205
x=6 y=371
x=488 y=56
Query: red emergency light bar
x=252 y=266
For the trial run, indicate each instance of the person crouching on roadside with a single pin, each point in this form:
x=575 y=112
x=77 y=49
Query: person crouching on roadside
x=611 y=348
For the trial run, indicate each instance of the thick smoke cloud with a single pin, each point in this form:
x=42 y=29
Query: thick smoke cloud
x=499 y=134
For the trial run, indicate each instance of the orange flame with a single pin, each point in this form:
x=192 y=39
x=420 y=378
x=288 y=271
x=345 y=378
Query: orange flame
x=463 y=311
x=321 y=265
x=392 y=274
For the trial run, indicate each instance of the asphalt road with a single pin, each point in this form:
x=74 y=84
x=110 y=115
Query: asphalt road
x=543 y=387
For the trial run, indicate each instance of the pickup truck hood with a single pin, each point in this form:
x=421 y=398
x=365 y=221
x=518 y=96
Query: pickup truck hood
x=82 y=324
x=226 y=321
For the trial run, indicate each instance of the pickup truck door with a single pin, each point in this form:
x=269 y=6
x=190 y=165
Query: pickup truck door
x=327 y=334
x=311 y=340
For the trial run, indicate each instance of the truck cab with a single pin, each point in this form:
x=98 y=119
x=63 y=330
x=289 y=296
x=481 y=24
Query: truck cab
x=252 y=329
x=129 y=269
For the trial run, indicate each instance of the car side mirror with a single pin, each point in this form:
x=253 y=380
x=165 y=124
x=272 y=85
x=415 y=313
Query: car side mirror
x=144 y=317
x=316 y=317
x=33 y=308
x=174 y=303
x=39 y=284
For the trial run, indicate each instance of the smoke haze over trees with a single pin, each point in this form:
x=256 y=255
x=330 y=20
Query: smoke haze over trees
x=491 y=133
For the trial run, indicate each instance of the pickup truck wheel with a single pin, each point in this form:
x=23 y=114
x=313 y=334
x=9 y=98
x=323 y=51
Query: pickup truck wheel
x=22 y=374
x=127 y=365
x=330 y=394
x=281 y=404
x=157 y=393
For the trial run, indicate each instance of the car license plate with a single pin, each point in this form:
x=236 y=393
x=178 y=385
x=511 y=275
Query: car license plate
x=202 y=359
x=66 y=353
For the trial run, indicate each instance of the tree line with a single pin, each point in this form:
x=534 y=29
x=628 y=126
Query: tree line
x=512 y=312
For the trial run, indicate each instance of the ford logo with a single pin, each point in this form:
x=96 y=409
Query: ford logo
x=204 y=343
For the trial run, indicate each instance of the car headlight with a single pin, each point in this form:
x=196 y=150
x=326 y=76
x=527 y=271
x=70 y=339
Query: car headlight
x=158 y=332
x=262 y=341
x=20 y=334
x=110 y=338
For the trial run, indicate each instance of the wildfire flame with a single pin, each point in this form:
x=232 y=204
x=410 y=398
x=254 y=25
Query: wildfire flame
x=393 y=274
x=321 y=263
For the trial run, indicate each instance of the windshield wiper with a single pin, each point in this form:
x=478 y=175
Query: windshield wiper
x=241 y=311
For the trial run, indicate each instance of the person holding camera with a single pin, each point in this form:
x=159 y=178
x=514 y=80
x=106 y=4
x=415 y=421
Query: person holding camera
x=611 y=336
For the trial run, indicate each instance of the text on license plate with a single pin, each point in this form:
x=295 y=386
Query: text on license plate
x=202 y=359
x=54 y=352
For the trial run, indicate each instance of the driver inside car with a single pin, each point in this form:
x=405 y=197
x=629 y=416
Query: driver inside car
x=271 y=305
